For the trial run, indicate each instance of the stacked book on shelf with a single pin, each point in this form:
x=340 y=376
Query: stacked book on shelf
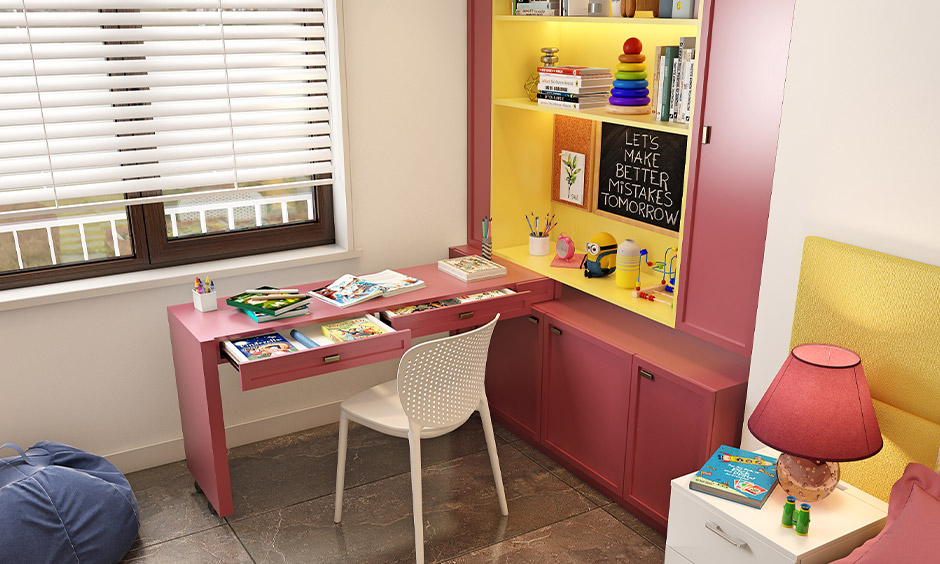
x=267 y=303
x=529 y=8
x=470 y=268
x=671 y=88
x=573 y=87
x=348 y=290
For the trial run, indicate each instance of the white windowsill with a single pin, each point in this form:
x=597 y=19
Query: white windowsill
x=133 y=281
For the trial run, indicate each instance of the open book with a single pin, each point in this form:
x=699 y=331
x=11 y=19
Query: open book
x=349 y=290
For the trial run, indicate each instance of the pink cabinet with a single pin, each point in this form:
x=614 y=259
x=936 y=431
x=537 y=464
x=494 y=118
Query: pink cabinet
x=674 y=428
x=731 y=177
x=585 y=395
x=514 y=376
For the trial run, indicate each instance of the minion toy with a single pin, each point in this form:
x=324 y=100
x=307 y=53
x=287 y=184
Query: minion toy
x=601 y=257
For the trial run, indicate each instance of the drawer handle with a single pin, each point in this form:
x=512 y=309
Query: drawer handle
x=533 y=320
x=556 y=330
x=465 y=315
x=716 y=528
x=647 y=375
x=331 y=358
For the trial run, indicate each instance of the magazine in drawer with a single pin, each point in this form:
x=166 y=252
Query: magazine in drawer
x=324 y=356
x=464 y=314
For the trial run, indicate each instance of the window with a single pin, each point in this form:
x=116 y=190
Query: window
x=143 y=133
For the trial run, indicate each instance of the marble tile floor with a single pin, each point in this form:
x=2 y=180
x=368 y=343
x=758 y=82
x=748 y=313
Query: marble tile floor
x=283 y=493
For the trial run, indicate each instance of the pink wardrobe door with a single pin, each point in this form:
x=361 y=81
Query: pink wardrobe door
x=739 y=98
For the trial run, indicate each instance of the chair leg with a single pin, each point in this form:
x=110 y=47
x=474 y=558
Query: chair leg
x=414 y=444
x=341 y=467
x=484 y=410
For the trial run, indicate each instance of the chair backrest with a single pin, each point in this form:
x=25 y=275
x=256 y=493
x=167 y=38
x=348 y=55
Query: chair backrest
x=440 y=382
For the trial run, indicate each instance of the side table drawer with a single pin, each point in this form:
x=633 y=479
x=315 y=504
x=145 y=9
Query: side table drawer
x=702 y=536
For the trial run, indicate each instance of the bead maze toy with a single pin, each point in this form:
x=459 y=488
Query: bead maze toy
x=665 y=291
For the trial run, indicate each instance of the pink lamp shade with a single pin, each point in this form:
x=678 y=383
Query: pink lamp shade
x=818 y=407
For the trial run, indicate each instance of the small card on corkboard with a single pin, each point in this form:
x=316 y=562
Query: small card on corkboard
x=573 y=167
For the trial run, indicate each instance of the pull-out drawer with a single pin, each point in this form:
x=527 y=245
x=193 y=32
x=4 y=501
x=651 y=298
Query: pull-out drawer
x=319 y=360
x=463 y=315
x=703 y=535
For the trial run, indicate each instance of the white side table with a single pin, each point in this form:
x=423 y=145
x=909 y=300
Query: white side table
x=704 y=529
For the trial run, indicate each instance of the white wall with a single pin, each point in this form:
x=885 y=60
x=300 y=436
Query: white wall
x=97 y=373
x=857 y=160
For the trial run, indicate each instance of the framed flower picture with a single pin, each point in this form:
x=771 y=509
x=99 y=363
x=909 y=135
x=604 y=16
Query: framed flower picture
x=573 y=166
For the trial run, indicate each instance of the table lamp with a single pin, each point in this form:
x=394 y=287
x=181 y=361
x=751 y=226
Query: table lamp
x=817 y=412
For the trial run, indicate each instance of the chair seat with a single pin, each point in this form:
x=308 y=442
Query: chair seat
x=380 y=409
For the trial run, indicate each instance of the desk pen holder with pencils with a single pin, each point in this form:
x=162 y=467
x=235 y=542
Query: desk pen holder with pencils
x=488 y=248
x=538 y=245
x=205 y=302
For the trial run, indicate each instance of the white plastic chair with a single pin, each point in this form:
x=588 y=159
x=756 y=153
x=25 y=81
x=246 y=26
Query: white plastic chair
x=439 y=385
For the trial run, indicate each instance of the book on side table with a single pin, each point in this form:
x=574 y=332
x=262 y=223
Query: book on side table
x=737 y=475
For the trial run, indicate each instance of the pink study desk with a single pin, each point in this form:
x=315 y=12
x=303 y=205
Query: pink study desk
x=196 y=337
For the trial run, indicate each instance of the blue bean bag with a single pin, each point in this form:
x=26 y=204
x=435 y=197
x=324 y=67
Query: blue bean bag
x=61 y=505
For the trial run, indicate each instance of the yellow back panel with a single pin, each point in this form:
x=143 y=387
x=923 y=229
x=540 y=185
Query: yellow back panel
x=885 y=308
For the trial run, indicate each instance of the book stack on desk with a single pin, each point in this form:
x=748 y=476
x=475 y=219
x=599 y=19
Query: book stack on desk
x=470 y=268
x=267 y=303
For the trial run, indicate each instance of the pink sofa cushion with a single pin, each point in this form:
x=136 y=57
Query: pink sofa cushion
x=913 y=509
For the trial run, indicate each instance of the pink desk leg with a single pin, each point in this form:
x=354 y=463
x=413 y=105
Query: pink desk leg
x=200 y=401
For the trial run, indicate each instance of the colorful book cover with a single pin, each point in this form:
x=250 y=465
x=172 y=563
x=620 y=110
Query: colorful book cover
x=482 y=296
x=347 y=290
x=420 y=307
x=352 y=329
x=257 y=303
x=264 y=317
x=738 y=475
x=264 y=346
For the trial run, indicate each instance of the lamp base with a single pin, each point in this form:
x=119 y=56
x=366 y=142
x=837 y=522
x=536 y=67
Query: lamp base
x=807 y=480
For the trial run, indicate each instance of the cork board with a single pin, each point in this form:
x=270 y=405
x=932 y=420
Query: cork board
x=573 y=150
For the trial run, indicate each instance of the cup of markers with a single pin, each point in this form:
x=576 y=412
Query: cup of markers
x=204 y=298
x=538 y=237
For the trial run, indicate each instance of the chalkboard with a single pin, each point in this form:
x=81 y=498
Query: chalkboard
x=641 y=176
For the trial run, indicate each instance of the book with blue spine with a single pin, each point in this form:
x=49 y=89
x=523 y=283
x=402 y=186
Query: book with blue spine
x=737 y=475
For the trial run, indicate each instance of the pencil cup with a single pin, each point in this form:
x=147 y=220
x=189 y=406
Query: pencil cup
x=538 y=245
x=487 y=248
x=205 y=302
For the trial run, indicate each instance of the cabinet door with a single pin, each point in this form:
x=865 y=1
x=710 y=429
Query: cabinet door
x=743 y=72
x=514 y=375
x=585 y=397
x=670 y=424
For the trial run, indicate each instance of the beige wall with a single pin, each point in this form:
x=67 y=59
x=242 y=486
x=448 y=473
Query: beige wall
x=97 y=373
x=857 y=158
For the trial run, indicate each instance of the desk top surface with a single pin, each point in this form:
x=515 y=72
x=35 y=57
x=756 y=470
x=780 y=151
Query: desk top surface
x=228 y=322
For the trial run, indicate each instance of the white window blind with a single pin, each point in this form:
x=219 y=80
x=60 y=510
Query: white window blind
x=125 y=101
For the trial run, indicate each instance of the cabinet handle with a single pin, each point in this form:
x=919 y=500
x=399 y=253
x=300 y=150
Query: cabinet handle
x=533 y=320
x=556 y=330
x=706 y=134
x=647 y=375
x=331 y=358
x=465 y=315
x=716 y=528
